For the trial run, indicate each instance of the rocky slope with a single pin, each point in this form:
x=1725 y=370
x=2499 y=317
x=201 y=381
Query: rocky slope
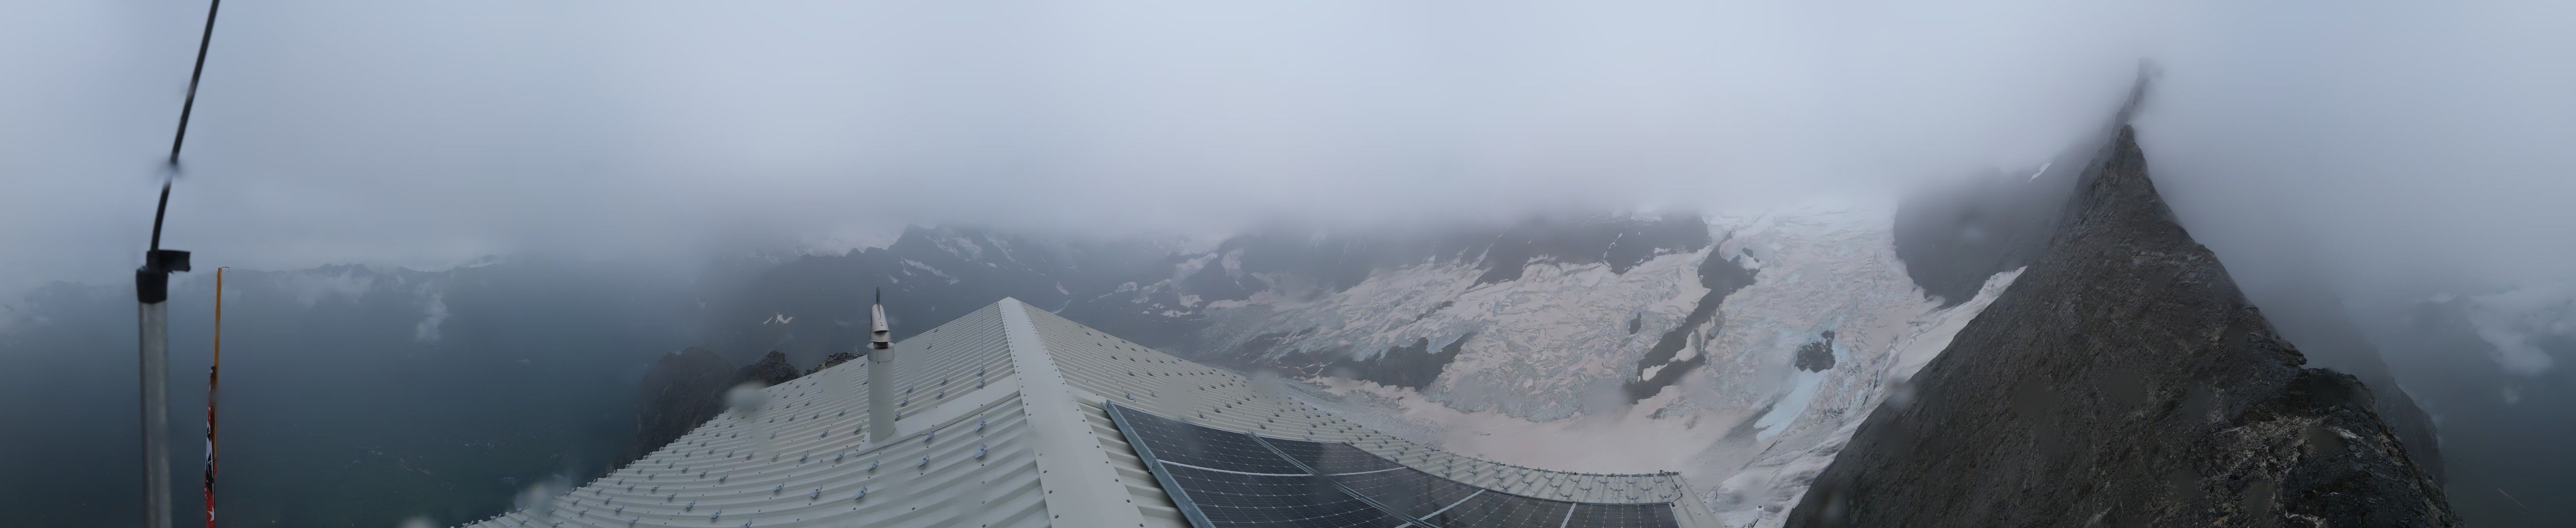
x=686 y=388
x=2123 y=380
x=836 y=359
x=682 y=390
x=2310 y=316
x=772 y=369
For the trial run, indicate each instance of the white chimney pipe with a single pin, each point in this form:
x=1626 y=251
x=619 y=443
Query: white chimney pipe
x=881 y=397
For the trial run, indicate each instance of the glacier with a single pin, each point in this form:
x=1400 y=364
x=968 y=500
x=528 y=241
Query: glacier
x=1541 y=358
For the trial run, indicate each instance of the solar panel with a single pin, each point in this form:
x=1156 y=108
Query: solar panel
x=1178 y=443
x=1299 y=450
x=1406 y=490
x=1501 y=510
x=1621 y=516
x=1226 y=479
x=1235 y=499
x=1331 y=458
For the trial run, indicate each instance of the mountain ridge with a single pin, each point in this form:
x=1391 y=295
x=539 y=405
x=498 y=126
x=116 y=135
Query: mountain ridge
x=2123 y=380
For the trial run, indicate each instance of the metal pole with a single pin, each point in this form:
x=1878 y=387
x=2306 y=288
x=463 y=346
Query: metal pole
x=156 y=414
x=151 y=292
x=152 y=295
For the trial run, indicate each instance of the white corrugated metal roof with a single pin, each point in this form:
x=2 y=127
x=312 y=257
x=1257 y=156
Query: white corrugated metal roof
x=1000 y=425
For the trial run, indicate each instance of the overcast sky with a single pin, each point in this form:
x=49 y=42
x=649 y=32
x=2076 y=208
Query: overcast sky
x=2392 y=142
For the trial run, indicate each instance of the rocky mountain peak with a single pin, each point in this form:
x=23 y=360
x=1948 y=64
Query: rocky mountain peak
x=2123 y=380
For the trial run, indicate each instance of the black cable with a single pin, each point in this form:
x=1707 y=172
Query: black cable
x=157 y=210
x=190 y=106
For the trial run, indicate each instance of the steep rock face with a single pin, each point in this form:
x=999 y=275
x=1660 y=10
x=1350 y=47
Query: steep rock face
x=686 y=388
x=2309 y=315
x=2123 y=380
x=834 y=360
x=1953 y=237
x=683 y=389
x=772 y=369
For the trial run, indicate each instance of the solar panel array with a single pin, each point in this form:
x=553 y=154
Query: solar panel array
x=1227 y=479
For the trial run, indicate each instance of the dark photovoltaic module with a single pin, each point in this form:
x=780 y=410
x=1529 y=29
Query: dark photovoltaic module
x=1227 y=479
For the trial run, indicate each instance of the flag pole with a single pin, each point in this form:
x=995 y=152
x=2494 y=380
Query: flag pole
x=211 y=371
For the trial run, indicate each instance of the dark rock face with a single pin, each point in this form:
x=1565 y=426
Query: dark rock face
x=834 y=360
x=2312 y=317
x=771 y=370
x=2123 y=380
x=1722 y=277
x=1816 y=356
x=1413 y=366
x=682 y=390
x=686 y=388
x=1953 y=238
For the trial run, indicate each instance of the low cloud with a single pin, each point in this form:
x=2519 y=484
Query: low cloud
x=2382 y=144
